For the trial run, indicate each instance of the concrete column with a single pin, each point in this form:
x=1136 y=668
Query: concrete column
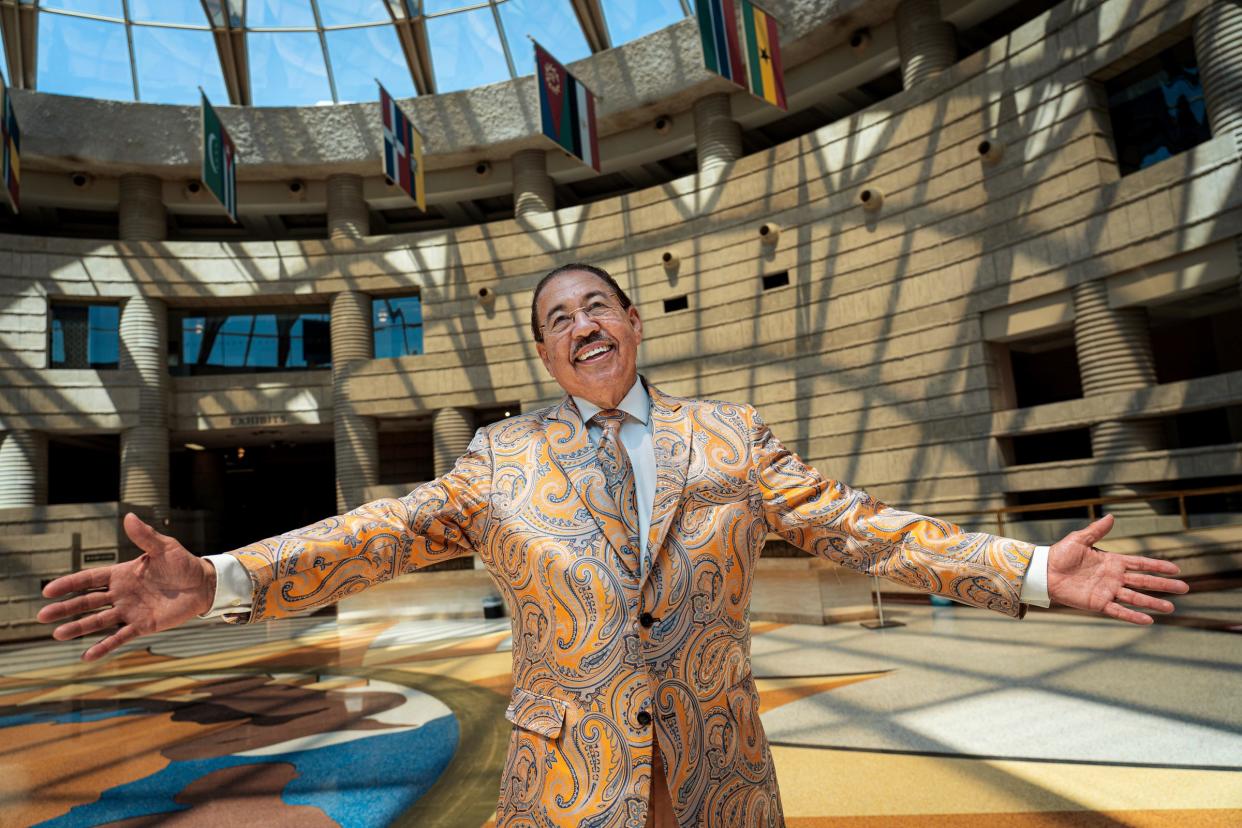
x=144 y=447
x=1114 y=354
x=452 y=430
x=717 y=137
x=23 y=469
x=356 y=443
x=533 y=191
x=926 y=44
x=141 y=208
x=347 y=209
x=1218 y=45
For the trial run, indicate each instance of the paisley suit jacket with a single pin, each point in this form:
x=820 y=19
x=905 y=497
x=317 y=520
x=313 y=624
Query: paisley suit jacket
x=602 y=653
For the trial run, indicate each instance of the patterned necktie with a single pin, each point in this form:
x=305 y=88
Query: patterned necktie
x=619 y=479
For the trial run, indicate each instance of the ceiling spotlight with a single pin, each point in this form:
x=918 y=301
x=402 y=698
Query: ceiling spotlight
x=194 y=447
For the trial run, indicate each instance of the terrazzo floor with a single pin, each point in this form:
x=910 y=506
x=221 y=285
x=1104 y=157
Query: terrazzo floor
x=957 y=718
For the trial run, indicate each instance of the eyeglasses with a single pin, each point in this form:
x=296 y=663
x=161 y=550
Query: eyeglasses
x=596 y=310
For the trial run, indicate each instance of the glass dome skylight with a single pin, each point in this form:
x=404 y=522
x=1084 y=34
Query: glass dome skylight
x=308 y=52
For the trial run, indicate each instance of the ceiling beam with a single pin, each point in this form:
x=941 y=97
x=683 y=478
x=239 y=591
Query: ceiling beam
x=227 y=28
x=19 y=27
x=412 y=33
x=591 y=18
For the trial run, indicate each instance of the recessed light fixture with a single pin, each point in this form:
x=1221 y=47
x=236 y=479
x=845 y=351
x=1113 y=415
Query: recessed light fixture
x=194 y=447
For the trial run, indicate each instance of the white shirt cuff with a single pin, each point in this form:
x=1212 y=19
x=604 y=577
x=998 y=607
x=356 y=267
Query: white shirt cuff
x=233 y=589
x=1035 y=584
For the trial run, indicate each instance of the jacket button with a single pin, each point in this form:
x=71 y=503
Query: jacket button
x=643 y=717
x=646 y=619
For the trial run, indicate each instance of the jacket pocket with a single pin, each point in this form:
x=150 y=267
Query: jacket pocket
x=536 y=713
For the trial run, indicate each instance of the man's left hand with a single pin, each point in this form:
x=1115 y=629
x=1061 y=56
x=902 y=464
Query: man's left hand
x=1087 y=578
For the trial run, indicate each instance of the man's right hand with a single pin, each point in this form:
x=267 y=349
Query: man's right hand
x=162 y=588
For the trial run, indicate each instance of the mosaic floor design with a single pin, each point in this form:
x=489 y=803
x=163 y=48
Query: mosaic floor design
x=958 y=718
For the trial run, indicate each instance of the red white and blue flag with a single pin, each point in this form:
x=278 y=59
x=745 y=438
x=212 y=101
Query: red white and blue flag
x=403 y=150
x=566 y=109
x=10 y=148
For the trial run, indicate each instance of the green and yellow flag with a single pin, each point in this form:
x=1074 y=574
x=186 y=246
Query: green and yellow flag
x=763 y=54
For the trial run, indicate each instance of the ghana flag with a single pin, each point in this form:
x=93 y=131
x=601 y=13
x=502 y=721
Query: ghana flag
x=718 y=32
x=763 y=54
x=219 y=160
x=10 y=148
x=566 y=109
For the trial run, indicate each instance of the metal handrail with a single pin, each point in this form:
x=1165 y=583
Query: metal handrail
x=1092 y=502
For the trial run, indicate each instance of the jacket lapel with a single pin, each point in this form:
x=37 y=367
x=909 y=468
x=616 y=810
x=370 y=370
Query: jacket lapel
x=571 y=449
x=672 y=434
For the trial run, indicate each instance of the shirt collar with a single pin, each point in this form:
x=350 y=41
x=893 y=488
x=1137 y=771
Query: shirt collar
x=637 y=403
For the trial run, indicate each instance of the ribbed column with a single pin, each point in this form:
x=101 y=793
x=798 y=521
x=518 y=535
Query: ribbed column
x=144 y=447
x=23 y=469
x=1218 y=46
x=1114 y=354
x=717 y=137
x=533 y=190
x=451 y=433
x=926 y=44
x=141 y=212
x=347 y=209
x=356 y=444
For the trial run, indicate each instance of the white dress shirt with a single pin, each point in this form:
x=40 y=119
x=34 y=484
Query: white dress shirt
x=233 y=589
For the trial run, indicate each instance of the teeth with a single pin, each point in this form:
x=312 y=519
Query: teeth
x=596 y=351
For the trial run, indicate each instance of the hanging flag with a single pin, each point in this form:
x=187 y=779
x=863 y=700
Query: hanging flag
x=566 y=109
x=219 y=160
x=403 y=150
x=763 y=54
x=10 y=148
x=718 y=32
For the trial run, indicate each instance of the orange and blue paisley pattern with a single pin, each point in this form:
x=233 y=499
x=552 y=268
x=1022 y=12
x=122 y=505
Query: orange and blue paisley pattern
x=591 y=680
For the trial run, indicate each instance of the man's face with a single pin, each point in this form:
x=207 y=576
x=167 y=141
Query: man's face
x=595 y=355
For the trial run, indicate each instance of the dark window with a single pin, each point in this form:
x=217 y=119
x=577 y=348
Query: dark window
x=85 y=336
x=1210 y=427
x=677 y=303
x=1157 y=108
x=83 y=468
x=1197 y=337
x=775 y=280
x=1052 y=496
x=214 y=342
x=407 y=456
x=398 y=325
x=1048 y=447
x=1045 y=371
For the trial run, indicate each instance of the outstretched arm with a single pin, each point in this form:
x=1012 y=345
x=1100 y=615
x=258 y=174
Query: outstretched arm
x=1087 y=578
x=163 y=587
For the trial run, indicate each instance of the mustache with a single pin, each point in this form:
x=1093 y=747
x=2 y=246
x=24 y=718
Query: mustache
x=593 y=339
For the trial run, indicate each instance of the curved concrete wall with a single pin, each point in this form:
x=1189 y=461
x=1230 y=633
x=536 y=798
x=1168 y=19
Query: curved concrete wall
x=873 y=363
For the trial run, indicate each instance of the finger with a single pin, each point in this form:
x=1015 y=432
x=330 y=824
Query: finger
x=74 y=606
x=79 y=582
x=1115 y=610
x=1154 y=584
x=90 y=624
x=102 y=648
x=1092 y=534
x=143 y=536
x=1138 y=599
x=1151 y=565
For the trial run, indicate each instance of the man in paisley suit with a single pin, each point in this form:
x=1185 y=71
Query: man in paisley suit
x=623 y=526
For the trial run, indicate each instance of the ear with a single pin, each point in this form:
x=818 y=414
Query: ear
x=636 y=321
x=542 y=349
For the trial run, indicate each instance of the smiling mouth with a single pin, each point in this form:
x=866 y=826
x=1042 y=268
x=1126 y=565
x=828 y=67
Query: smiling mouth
x=594 y=352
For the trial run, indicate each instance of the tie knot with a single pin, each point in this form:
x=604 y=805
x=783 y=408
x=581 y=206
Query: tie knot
x=609 y=417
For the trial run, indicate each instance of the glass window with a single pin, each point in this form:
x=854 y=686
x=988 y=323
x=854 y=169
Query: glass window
x=553 y=24
x=279 y=13
x=1157 y=108
x=631 y=19
x=286 y=69
x=466 y=50
x=84 y=57
x=173 y=63
x=216 y=343
x=85 y=336
x=359 y=56
x=345 y=12
x=398 y=325
x=185 y=12
x=104 y=8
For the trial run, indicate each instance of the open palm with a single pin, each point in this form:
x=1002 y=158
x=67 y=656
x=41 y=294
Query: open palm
x=1087 y=578
x=163 y=587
